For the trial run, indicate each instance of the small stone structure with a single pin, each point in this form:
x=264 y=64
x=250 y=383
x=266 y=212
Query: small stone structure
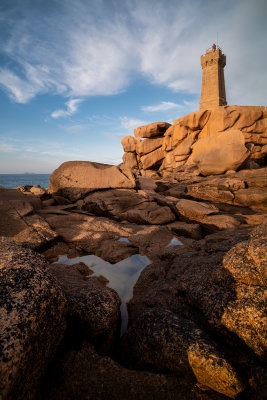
x=213 y=87
x=216 y=139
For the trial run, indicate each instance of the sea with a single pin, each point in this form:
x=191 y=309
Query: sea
x=12 y=181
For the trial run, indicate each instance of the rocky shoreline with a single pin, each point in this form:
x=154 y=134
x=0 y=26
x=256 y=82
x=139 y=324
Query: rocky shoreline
x=197 y=328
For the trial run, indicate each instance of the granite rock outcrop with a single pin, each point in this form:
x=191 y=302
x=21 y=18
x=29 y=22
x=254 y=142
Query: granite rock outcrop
x=214 y=141
x=191 y=197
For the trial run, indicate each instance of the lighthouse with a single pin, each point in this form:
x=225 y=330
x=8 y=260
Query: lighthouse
x=213 y=86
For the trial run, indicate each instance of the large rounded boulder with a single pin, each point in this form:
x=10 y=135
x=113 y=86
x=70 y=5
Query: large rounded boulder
x=216 y=154
x=74 y=179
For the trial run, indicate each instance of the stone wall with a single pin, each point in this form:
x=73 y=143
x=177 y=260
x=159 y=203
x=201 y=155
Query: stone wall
x=214 y=141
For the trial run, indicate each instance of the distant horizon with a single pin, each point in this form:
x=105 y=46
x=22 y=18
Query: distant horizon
x=78 y=76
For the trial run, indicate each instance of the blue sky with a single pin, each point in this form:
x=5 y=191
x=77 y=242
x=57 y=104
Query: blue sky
x=78 y=75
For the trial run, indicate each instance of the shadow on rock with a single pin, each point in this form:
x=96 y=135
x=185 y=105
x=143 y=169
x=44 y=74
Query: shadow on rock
x=200 y=310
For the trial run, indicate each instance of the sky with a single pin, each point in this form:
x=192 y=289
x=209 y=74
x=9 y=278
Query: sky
x=76 y=76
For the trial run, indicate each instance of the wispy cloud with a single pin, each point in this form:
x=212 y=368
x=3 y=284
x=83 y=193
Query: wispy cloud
x=71 y=108
x=163 y=106
x=18 y=89
x=131 y=123
x=78 y=48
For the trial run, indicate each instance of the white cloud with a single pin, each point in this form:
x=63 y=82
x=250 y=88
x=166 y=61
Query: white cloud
x=163 y=106
x=72 y=107
x=79 y=48
x=19 y=90
x=131 y=123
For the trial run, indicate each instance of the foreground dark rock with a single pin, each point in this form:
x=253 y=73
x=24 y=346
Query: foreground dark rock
x=32 y=320
x=219 y=286
x=84 y=375
x=165 y=342
x=93 y=310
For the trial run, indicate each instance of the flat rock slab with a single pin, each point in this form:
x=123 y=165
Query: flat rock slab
x=149 y=239
x=151 y=130
x=32 y=319
x=148 y=145
x=193 y=209
x=126 y=205
x=95 y=235
x=246 y=188
x=19 y=221
x=74 y=179
x=194 y=121
x=17 y=195
x=152 y=159
x=188 y=230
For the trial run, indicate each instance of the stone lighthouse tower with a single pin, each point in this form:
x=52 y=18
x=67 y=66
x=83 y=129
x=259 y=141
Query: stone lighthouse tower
x=213 y=87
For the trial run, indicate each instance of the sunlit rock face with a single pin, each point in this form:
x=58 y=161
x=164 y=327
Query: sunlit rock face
x=166 y=240
x=74 y=179
x=215 y=140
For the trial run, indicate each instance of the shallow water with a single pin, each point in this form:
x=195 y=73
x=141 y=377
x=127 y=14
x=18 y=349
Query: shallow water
x=122 y=276
x=123 y=239
x=175 y=242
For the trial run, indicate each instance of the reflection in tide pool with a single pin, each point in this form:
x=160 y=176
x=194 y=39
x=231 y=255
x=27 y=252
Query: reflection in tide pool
x=122 y=276
x=175 y=242
x=123 y=239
